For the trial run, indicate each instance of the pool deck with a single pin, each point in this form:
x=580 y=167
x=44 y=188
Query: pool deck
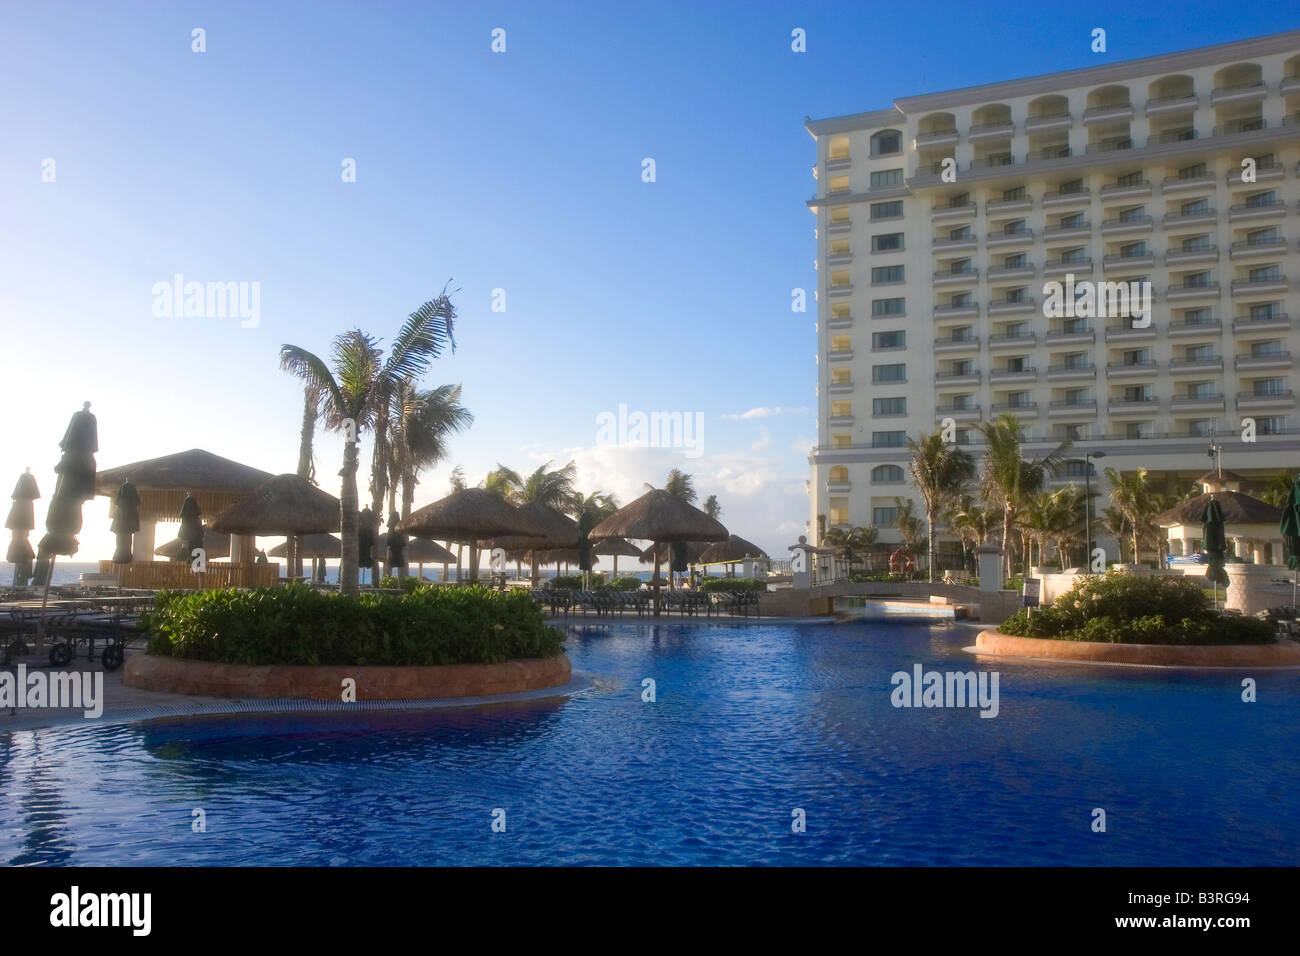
x=126 y=705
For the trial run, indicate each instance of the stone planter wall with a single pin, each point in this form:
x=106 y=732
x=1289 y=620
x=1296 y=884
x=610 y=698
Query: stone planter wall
x=1279 y=654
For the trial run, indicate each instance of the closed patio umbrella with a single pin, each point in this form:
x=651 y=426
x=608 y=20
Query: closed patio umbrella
x=20 y=522
x=367 y=532
x=191 y=532
x=126 y=520
x=1216 y=546
x=75 y=484
x=395 y=547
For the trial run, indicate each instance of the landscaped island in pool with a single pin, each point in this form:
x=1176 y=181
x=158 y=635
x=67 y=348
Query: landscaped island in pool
x=297 y=642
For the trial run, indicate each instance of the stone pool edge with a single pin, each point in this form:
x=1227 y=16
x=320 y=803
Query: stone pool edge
x=1281 y=654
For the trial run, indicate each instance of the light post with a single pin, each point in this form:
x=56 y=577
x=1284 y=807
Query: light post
x=1087 y=505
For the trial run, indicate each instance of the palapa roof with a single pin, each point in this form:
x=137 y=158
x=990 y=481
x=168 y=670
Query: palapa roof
x=1214 y=478
x=286 y=504
x=471 y=514
x=616 y=546
x=1237 y=509
x=418 y=550
x=735 y=548
x=561 y=531
x=664 y=549
x=311 y=546
x=214 y=542
x=658 y=516
x=216 y=482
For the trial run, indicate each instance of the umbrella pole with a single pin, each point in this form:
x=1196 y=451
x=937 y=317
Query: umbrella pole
x=656 y=580
x=45 y=597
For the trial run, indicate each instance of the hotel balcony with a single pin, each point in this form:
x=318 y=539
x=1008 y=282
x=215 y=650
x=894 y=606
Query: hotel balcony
x=1084 y=336
x=1188 y=256
x=1190 y=366
x=1255 y=362
x=1082 y=229
x=959 y=413
x=955 y=277
x=839 y=388
x=1251 y=400
x=1028 y=408
x=1131 y=369
x=1171 y=104
x=1273 y=322
x=996 y=161
x=840 y=259
x=1102 y=114
x=1012 y=341
x=1022 y=237
x=1127 y=333
x=1260 y=210
x=1256 y=286
x=996 y=206
x=1049 y=121
x=1001 y=376
x=1175 y=184
x=950 y=344
x=1067 y=373
x=837 y=226
x=960 y=211
x=937 y=137
x=957 y=378
x=1243 y=93
x=1012 y=272
x=1264 y=172
x=841 y=420
x=838 y=162
x=839 y=355
x=1012 y=306
x=1110 y=227
x=839 y=487
x=1290 y=84
x=1181 y=292
x=1073 y=197
x=1122 y=261
x=1056 y=267
x=1132 y=406
x=942 y=312
x=1134 y=191
x=840 y=322
x=839 y=291
x=1177 y=220
x=981 y=131
x=1247 y=248
x=1183 y=327
x=1065 y=408
x=954 y=245
x=1198 y=403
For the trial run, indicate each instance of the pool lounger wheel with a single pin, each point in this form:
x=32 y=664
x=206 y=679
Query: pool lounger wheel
x=112 y=657
x=60 y=654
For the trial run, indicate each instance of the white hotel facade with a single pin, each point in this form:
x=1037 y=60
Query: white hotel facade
x=930 y=292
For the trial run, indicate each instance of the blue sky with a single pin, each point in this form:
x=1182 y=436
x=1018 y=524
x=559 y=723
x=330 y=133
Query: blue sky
x=519 y=171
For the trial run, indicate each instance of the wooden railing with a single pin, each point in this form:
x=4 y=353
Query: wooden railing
x=156 y=575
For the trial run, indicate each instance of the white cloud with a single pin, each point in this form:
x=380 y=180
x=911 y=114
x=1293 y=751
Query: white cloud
x=763 y=412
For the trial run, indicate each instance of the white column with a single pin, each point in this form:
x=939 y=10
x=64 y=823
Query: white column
x=143 y=543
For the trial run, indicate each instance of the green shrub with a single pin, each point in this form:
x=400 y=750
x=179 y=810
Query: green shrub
x=1124 y=608
x=565 y=582
x=732 y=585
x=624 y=583
x=300 y=625
x=407 y=584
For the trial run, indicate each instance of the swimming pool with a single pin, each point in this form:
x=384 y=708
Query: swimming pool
x=750 y=722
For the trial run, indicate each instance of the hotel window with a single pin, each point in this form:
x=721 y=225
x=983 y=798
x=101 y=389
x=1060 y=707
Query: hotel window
x=1072 y=186
x=886 y=142
x=1011 y=195
x=1078 y=396
x=1020 y=294
x=960 y=267
x=1077 y=254
x=964 y=334
x=887 y=210
x=1135 y=430
x=1133 y=214
x=1200 y=427
x=840 y=310
x=841 y=376
x=881 y=407
x=959 y=202
x=1074 y=325
x=1075 y=432
x=960 y=300
x=1196 y=280
x=1014 y=228
x=1195 y=171
x=1018 y=261
x=895 y=306
x=841 y=343
x=1268 y=198
x=839 y=247
x=1016 y=330
x=1197 y=243
x=1197 y=317
x=1273 y=347
x=961 y=232
x=839 y=213
x=888 y=439
x=839 y=184
x=888 y=340
x=1202 y=390
x=1131 y=179
x=887 y=474
x=838 y=474
x=1271 y=273
x=887 y=242
x=1272 y=425
x=1072 y=221
x=1074 y=468
x=881 y=275
x=1017 y=364
x=1261 y=237
x=841 y=408
x=1270 y=386
x=1137 y=357
x=1019 y=400
x=840 y=278
x=884 y=178
x=839 y=513
x=1133 y=250
x=1137 y=393
x=962 y=367
x=962 y=402
x=889 y=373
x=1199 y=353
x=1075 y=360
x=841 y=440
x=1267 y=310
x=1197 y=207
x=884 y=517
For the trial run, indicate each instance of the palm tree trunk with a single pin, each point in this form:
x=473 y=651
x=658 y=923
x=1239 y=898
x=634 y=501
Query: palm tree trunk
x=305 y=438
x=348 y=577
x=379 y=464
x=929 y=517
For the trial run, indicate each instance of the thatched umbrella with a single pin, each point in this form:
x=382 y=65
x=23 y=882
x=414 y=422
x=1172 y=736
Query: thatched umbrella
x=659 y=517
x=318 y=547
x=616 y=548
x=215 y=545
x=287 y=505
x=422 y=551
x=215 y=482
x=126 y=520
x=21 y=521
x=75 y=485
x=471 y=515
x=560 y=531
x=664 y=552
x=731 y=552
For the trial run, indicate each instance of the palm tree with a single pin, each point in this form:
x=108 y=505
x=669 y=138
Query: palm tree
x=939 y=472
x=910 y=525
x=1277 y=491
x=420 y=340
x=1008 y=477
x=306 y=466
x=351 y=385
x=505 y=483
x=1130 y=494
x=681 y=486
x=422 y=423
x=711 y=507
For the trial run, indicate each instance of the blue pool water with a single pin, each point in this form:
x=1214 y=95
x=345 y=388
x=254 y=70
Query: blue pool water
x=750 y=723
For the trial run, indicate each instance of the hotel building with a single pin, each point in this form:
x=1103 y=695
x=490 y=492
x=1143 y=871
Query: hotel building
x=940 y=220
